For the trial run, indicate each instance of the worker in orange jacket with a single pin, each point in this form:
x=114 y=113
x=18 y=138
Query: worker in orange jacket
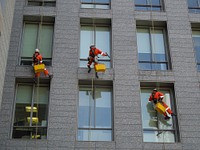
x=158 y=97
x=37 y=59
x=93 y=56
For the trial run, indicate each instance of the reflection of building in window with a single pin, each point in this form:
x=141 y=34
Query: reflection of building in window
x=155 y=5
x=194 y=6
x=31 y=110
x=155 y=127
x=95 y=114
x=196 y=42
x=152 y=49
x=37 y=35
x=41 y=3
x=96 y=32
x=101 y=4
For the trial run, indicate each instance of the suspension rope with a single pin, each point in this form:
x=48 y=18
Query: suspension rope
x=38 y=78
x=154 y=59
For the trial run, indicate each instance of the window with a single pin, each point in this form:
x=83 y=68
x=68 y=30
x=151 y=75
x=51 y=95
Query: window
x=101 y=4
x=151 y=44
x=95 y=114
x=155 y=128
x=148 y=5
x=194 y=6
x=99 y=35
x=41 y=3
x=196 y=42
x=31 y=111
x=37 y=35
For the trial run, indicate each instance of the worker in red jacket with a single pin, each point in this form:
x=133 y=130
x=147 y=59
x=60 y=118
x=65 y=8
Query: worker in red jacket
x=37 y=59
x=158 y=97
x=93 y=56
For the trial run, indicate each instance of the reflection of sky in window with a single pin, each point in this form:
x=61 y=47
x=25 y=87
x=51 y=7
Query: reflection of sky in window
x=149 y=114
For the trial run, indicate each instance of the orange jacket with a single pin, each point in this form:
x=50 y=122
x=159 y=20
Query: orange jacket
x=94 y=52
x=37 y=58
x=156 y=96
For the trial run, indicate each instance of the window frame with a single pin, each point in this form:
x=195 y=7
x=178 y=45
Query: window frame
x=45 y=3
x=30 y=126
x=149 y=6
x=112 y=112
x=152 y=62
x=47 y=61
x=94 y=25
x=175 y=129
x=94 y=4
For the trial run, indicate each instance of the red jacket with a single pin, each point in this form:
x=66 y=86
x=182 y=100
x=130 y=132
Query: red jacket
x=156 y=96
x=37 y=58
x=94 y=52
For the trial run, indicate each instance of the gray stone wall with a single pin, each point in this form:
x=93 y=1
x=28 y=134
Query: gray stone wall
x=125 y=76
x=6 y=18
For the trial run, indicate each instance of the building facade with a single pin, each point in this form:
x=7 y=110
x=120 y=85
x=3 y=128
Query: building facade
x=152 y=44
x=6 y=18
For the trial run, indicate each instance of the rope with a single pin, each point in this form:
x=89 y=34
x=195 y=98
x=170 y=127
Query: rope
x=154 y=48
x=38 y=80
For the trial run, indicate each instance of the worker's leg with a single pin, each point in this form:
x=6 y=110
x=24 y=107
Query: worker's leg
x=46 y=72
x=167 y=108
x=89 y=64
x=37 y=74
x=95 y=63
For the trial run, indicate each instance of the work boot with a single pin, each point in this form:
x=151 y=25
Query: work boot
x=167 y=117
x=89 y=69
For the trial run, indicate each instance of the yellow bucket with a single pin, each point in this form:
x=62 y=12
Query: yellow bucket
x=39 y=68
x=100 y=68
x=160 y=108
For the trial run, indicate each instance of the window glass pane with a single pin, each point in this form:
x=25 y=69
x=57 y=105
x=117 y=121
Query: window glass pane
x=87 y=38
x=41 y=104
x=41 y=95
x=155 y=2
x=102 y=6
x=145 y=66
x=103 y=108
x=29 y=115
x=193 y=3
x=102 y=1
x=94 y=135
x=103 y=40
x=46 y=40
x=143 y=45
x=29 y=40
x=86 y=109
x=154 y=126
x=158 y=46
x=24 y=94
x=159 y=136
x=141 y=2
x=149 y=115
x=196 y=41
x=159 y=66
x=29 y=133
x=23 y=99
x=87 y=6
x=87 y=1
